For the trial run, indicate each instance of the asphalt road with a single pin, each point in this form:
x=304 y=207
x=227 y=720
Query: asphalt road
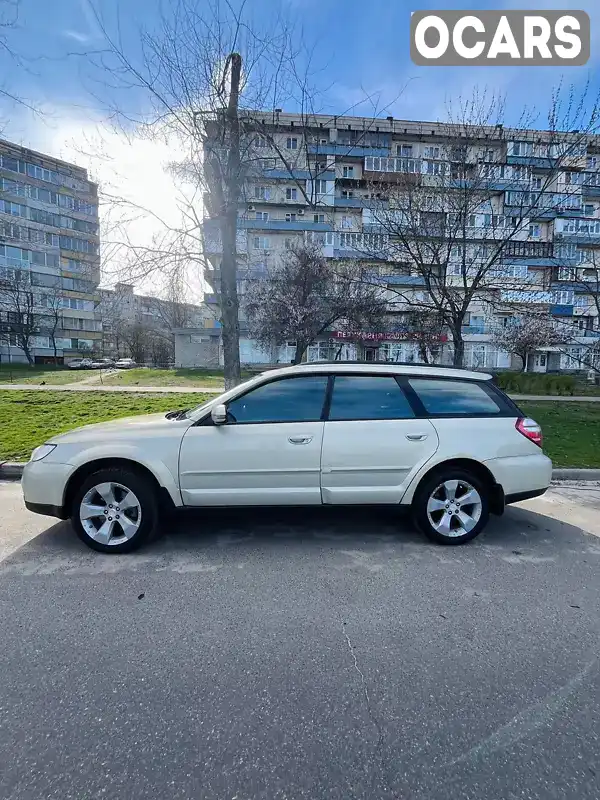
x=290 y=654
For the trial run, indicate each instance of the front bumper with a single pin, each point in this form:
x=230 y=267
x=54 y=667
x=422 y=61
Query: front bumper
x=43 y=485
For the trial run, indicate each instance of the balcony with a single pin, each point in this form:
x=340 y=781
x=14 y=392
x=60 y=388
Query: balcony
x=347 y=150
x=283 y=225
x=523 y=296
x=349 y=202
x=540 y=162
x=561 y=310
x=582 y=230
x=298 y=174
x=535 y=250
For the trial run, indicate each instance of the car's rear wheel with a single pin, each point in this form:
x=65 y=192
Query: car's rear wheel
x=451 y=506
x=115 y=510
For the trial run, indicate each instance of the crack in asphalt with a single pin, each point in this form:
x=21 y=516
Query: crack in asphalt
x=377 y=751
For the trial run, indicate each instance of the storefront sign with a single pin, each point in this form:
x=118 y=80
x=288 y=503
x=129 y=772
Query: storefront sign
x=373 y=336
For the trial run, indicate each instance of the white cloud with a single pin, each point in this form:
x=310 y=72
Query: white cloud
x=131 y=168
x=82 y=38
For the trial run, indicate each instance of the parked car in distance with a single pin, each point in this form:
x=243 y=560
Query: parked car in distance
x=446 y=443
x=125 y=363
x=103 y=363
x=81 y=363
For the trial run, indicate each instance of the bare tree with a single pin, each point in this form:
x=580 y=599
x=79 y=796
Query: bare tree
x=51 y=318
x=304 y=295
x=199 y=71
x=524 y=335
x=444 y=217
x=578 y=271
x=428 y=331
x=17 y=302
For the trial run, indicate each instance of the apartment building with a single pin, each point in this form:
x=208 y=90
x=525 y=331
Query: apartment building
x=337 y=181
x=49 y=257
x=143 y=326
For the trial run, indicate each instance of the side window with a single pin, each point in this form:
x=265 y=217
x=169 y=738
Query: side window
x=368 y=397
x=287 y=400
x=453 y=398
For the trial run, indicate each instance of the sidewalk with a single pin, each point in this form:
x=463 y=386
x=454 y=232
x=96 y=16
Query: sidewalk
x=86 y=387
x=89 y=387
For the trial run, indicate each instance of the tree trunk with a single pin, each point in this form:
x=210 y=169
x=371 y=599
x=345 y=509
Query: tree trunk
x=459 y=347
x=300 y=350
x=55 y=350
x=229 y=295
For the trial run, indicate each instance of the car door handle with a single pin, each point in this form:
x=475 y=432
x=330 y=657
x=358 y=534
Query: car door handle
x=300 y=439
x=416 y=437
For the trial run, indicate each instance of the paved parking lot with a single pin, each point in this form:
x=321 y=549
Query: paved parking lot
x=303 y=654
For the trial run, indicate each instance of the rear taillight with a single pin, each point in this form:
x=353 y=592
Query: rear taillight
x=530 y=429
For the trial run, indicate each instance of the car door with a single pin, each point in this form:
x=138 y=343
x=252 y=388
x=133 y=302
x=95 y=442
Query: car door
x=372 y=442
x=267 y=453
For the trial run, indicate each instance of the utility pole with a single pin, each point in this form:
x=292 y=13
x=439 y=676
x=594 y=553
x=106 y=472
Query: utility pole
x=228 y=219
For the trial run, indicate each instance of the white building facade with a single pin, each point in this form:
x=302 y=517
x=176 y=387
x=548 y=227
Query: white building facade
x=323 y=179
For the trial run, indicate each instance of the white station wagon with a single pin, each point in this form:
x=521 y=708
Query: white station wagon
x=445 y=442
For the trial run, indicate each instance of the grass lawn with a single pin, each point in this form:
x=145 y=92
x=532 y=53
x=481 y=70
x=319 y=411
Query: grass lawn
x=23 y=373
x=571 y=431
x=30 y=418
x=143 y=376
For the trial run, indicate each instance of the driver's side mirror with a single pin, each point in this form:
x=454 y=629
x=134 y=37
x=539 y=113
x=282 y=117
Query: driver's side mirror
x=219 y=414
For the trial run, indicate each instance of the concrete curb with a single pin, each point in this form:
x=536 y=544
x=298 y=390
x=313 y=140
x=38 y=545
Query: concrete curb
x=13 y=470
x=575 y=474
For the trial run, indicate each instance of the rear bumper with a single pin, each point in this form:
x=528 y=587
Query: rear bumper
x=516 y=498
x=521 y=475
x=46 y=510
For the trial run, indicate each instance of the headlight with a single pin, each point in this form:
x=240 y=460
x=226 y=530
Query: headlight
x=42 y=451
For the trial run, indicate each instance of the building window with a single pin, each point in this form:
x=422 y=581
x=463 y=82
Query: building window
x=346 y=222
x=535 y=230
x=291 y=143
x=290 y=218
x=431 y=152
x=262 y=215
x=320 y=186
x=404 y=150
x=348 y=172
x=347 y=194
x=318 y=217
x=261 y=141
x=588 y=210
x=291 y=194
x=562 y=298
x=536 y=183
x=261 y=243
x=261 y=193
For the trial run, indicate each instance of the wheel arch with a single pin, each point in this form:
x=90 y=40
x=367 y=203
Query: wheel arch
x=478 y=469
x=87 y=469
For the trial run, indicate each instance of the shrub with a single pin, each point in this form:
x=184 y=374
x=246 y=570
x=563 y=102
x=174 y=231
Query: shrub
x=536 y=383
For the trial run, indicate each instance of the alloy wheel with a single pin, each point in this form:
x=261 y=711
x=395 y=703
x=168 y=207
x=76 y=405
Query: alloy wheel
x=454 y=508
x=110 y=513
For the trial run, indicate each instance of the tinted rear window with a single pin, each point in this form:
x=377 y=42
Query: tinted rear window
x=453 y=398
x=368 y=397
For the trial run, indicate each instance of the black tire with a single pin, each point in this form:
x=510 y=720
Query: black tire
x=428 y=487
x=145 y=492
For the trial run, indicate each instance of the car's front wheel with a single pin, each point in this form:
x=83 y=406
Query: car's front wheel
x=115 y=510
x=451 y=506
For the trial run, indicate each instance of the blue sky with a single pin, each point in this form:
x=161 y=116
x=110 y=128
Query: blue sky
x=360 y=49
